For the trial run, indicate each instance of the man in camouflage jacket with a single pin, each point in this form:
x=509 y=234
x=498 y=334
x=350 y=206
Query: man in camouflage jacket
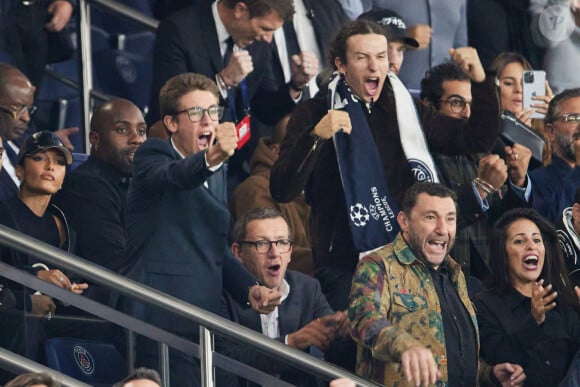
x=410 y=313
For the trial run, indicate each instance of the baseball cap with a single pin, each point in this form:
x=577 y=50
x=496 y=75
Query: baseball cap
x=43 y=141
x=393 y=22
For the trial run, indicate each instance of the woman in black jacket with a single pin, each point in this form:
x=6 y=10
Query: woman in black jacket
x=528 y=314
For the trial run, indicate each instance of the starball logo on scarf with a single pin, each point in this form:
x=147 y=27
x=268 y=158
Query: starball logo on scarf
x=378 y=209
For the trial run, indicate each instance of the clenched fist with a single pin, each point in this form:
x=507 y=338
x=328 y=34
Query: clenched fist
x=238 y=68
x=225 y=144
x=332 y=122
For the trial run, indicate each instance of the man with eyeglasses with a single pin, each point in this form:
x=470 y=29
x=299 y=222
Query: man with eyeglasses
x=263 y=243
x=555 y=184
x=177 y=222
x=229 y=42
x=16 y=99
x=476 y=177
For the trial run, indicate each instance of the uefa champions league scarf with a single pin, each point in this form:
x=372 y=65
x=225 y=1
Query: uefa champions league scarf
x=372 y=212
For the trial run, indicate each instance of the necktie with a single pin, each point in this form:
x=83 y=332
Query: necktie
x=12 y=156
x=292 y=45
x=229 y=51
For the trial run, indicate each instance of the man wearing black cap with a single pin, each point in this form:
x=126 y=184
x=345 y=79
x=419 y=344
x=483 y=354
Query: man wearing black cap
x=399 y=40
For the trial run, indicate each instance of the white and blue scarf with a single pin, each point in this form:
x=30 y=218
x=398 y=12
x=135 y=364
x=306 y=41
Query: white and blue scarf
x=372 y=211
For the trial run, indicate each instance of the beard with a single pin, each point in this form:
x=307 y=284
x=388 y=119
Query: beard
x=566 y=145
x=416 y=245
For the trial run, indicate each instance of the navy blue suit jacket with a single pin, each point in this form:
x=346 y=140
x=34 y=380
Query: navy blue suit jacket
x=554 y=187
x=177 y=233
x=187 y=42
x=304 y=303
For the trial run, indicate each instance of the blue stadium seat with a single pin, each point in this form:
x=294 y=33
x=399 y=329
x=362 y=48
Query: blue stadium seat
x=95 y=363
x=6 y=57
x=100 y=39
x=123 y=74
x=140 y=43
x=78 y=159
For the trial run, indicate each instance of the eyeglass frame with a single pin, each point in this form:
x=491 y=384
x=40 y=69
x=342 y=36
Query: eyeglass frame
x=564 y=118
x=16 y=112
x=269 y=244
x=462 y=100
x=203 y=111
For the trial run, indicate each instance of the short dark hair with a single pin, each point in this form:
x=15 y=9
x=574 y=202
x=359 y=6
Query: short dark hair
x=554 y=271
x=432 y=84
x=554 y=106
x=432 y=189
x=241 y=225
x=140 y=373
x=179 y=85
x=30 y=379
x=357 y=27
x=259 y=8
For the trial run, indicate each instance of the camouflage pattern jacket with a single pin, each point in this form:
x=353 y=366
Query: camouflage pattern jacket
x=393 y=307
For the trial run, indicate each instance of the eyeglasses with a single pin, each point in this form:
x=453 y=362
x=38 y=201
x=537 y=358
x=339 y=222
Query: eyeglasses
x=17 y=110
x=263 y=246
x=456 y=104
x=196 y=113
x=569 y=118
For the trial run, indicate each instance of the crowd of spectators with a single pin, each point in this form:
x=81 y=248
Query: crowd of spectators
x=328 y=173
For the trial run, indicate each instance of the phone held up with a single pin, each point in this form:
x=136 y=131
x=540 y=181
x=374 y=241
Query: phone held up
x=534 y=84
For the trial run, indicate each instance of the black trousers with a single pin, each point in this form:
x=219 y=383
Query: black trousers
x=25 y=38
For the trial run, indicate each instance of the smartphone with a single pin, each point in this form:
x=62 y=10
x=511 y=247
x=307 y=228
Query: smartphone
x=534 y=85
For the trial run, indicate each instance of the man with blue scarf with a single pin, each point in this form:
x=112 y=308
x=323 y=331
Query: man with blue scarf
x=357 y=146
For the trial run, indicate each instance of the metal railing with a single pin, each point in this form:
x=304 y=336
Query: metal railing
x=209 y=322
x=17 y=364
x=85 y=46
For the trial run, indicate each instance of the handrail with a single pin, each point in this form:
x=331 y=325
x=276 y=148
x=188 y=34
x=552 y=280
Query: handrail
x=126 y=12
x=105 y=277
x=16 y=364
x=75 y=85
x=136 y=326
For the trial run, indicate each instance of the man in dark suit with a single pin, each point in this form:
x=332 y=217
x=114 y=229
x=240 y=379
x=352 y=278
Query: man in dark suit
x=306 y=37
x=228 y=41
x=177 y=221
x=304 y=319
x=16 y=100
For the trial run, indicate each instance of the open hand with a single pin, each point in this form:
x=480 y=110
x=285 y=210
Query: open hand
x=542 y=301
x=419 y=366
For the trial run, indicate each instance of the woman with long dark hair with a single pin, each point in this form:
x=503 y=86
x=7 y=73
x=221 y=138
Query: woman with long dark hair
x=528 y=314
x=509 y=68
